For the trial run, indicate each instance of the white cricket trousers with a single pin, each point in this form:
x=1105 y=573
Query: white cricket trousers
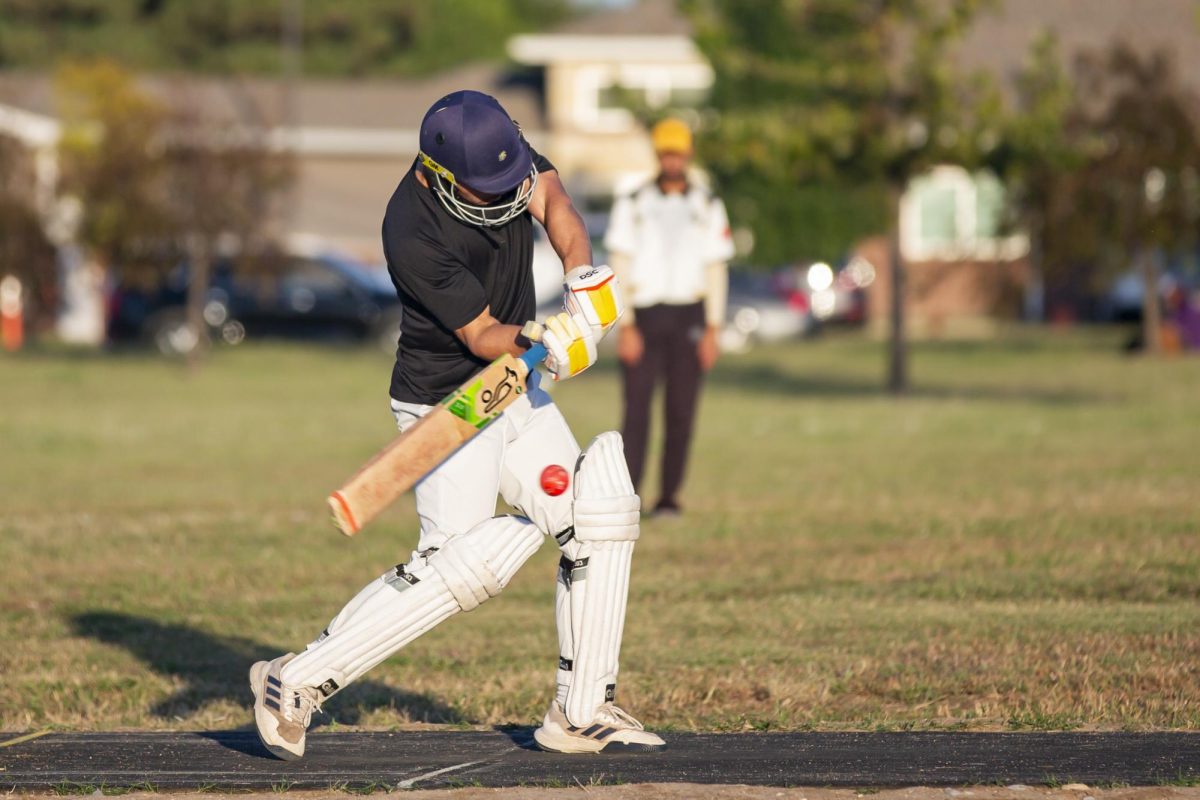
x=505 y=459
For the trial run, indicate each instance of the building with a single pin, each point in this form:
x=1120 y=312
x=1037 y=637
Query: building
x=352 y=139
x=592 y=69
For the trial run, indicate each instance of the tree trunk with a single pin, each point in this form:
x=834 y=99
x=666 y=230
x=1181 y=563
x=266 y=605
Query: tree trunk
x=1034 y=304
x=897 y=378
x=199 y=270
x=1151 y=311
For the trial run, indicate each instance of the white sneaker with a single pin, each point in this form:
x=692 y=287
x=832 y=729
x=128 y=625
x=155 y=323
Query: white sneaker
x=612 y=730
x=281 y=713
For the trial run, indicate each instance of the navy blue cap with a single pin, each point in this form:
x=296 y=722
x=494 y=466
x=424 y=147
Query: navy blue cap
x=471 y=135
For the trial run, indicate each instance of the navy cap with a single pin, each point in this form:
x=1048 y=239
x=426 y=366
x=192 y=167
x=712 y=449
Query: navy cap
x=472 y=136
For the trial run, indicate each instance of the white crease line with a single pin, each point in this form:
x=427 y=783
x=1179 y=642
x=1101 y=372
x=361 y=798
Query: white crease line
x=408 y=784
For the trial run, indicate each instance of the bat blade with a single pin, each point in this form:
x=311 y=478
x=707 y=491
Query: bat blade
x=412 y=455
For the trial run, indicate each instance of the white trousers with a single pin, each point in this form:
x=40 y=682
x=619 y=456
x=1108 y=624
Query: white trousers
x=505 y=459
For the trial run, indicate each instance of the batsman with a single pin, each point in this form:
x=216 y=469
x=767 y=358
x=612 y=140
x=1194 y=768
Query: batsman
x=458 y=237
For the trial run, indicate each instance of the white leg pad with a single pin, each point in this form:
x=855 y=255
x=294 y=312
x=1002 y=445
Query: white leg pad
x=411 y=599
x=562 y=619
x=594 y=576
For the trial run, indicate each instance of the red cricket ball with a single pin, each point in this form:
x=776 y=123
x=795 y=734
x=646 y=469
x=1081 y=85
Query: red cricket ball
x=555 y=480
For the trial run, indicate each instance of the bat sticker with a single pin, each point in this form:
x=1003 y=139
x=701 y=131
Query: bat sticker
x=477 y=404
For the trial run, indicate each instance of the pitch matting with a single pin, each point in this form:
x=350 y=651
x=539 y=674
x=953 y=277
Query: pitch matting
x=427 y=759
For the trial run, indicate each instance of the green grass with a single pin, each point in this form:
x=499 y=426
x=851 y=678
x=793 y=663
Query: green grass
x=1016 y=545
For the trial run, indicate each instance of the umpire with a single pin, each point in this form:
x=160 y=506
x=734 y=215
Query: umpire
x=668 y=242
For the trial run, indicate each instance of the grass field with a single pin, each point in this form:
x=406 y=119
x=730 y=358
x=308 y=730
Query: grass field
x=1016 y=545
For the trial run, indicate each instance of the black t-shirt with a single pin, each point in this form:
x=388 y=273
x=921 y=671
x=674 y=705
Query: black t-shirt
x=446 y=273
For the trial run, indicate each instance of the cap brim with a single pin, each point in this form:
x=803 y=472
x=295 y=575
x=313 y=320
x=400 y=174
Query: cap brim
x=510 y=178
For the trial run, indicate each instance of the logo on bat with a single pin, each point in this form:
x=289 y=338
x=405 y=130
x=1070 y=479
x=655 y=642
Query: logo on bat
x=498 y=393
x=478 y=404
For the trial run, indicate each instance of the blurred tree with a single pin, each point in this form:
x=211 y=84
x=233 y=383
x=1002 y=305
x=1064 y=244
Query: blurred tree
x=160 y=183
x=849 y=99
x=1105 y=168
x=1038 y=156
x=112 y=160
x=364 y=37
x=25 y=251
x=223 y=182
x=1138 y=187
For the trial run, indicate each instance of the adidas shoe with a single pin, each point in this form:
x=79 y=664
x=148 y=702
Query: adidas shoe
x=612 y=731
x=281 y=713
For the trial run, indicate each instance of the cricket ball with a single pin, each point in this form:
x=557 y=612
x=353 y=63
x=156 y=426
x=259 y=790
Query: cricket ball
x=555 y=480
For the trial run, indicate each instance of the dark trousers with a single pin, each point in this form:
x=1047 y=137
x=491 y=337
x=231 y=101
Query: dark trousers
x=671 y=335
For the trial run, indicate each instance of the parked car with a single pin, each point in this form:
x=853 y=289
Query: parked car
x=763 y=308
x=836 y=295
x=326 y=296
x=1123 y=300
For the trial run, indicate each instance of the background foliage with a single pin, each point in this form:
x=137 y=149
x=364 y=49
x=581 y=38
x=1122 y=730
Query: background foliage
x=364 y=37
x=837 y=105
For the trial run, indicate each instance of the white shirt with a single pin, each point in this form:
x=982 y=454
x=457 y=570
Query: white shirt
x=670 y=239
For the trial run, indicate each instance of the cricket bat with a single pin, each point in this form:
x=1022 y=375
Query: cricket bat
x=448 y=426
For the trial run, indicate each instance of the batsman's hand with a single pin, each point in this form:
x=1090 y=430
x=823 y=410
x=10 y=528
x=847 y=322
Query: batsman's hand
x=591 y=292
x=570 y=345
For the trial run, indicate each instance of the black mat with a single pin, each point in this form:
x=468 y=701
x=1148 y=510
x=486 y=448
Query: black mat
x=235 y=760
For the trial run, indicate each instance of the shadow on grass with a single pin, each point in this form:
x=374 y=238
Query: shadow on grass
x=769 y=380
x=216 y=668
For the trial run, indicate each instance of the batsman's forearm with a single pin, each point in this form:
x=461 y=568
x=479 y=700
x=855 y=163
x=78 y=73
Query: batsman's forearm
x=496 y=340
x=568 y=234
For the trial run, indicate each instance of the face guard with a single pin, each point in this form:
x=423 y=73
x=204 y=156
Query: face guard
x=505 y=208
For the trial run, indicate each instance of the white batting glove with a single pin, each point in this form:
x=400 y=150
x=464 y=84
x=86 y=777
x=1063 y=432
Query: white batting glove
x=591 y=292
x=570 y=346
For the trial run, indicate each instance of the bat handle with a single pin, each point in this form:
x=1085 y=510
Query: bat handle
x=534 y=355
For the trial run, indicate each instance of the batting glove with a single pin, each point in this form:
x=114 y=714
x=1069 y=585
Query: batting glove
x=591 y=292
x=570 y=345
